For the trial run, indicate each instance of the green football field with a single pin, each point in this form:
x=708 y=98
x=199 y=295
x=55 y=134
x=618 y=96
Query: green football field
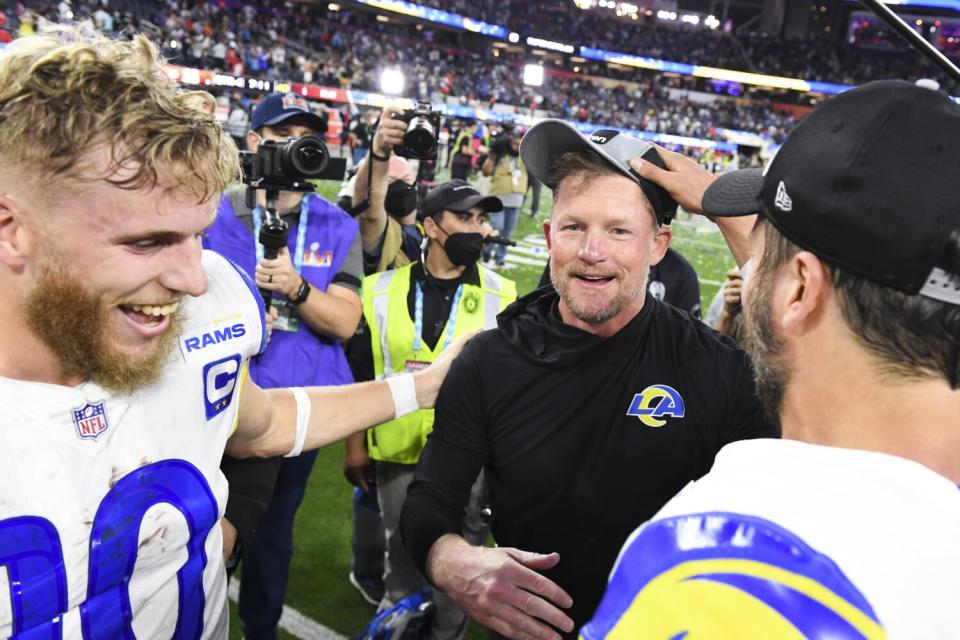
x=318 y=587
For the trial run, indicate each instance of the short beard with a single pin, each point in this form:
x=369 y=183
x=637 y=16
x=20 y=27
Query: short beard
x=73 y=323
x=763 y=345
x=593 y=315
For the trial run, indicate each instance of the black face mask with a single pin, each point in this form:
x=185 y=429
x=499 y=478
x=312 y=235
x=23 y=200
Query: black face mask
x=463 y=249
x=401 y=199
x=514 y=152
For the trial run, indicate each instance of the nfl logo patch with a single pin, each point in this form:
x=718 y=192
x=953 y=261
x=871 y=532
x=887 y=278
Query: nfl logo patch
x=90 y=420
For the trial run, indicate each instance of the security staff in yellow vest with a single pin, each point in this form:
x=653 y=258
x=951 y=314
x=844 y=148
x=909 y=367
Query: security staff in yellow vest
x=413 y=313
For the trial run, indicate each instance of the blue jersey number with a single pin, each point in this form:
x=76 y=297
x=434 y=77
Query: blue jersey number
x=30 y=550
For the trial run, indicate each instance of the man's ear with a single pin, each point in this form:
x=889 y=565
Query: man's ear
x=15 y=237
x=546 y=233
x=253 y=140
x=661 y=242
x=430 y=227
x=804 y=286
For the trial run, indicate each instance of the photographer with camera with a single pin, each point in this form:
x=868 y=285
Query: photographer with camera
x=313 y=283
x=385 y=193
x=509 y=183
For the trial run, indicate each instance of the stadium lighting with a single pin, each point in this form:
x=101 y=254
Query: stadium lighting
x=514 y=37
x=333 y=6
x=391 y=82
x=533 y=75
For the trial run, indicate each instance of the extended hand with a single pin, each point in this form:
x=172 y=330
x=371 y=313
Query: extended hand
x=429 y=380
x=732 y=289
x=389 y=132
x=501 y=588
x=357 y=466
x=683 y=178
x=278 y=274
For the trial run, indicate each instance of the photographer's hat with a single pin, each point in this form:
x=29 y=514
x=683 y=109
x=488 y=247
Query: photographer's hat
x=869 y=182
x=549 y=139
x=458 y=196
x=278 y=107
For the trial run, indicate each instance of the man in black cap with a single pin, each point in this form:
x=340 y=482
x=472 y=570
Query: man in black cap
x=588 y=408
x=852 y=315
x=412 y=314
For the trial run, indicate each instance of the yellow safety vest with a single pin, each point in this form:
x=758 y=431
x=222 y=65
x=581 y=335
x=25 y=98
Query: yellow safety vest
x=392 y=337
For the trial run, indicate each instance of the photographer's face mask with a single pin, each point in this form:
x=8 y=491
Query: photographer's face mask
x=401 y=199
x=463 y=249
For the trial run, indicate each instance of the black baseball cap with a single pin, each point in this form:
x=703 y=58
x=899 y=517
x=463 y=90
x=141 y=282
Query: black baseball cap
x=868 y=182
x=458 y=196
x=277 y=107
x=549 y=139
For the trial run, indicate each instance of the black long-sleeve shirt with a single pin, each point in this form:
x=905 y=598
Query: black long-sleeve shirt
x=558 y=418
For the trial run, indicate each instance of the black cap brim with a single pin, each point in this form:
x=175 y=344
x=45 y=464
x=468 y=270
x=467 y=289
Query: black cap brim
x=317 y=123
x=734 y=194
x=490 y=204
x=547 y=140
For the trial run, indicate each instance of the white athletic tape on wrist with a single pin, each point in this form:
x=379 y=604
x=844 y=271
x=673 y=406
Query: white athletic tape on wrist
x=304 y=407
x=404 y=393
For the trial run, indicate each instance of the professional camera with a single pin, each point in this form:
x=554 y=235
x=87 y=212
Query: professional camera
x=287 y=166
x=501 y=143
x=420 y=142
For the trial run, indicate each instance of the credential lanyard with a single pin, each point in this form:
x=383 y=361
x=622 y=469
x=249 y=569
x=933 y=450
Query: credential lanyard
x=418 y=318
x=257 y=214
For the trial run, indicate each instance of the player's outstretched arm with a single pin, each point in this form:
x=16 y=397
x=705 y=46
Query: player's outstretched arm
x=267 y=424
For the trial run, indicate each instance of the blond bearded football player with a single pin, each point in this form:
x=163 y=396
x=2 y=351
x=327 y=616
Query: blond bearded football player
x=124 y=348
x=849 y=527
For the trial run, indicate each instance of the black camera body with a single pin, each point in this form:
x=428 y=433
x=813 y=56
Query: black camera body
x=500 y=144
x=290 y=165
x=421 y=140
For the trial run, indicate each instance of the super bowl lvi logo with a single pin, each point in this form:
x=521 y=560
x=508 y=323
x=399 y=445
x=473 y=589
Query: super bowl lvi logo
x=654 y=403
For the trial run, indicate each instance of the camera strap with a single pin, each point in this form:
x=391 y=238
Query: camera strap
x=257 y=214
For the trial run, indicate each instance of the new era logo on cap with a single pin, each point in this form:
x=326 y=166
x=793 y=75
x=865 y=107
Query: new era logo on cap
x=783 y=201
x=854 y=165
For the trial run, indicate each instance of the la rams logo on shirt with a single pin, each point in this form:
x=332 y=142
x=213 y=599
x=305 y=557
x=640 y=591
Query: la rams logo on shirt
x=724 y=576
x=219 y=383
x=656 y=402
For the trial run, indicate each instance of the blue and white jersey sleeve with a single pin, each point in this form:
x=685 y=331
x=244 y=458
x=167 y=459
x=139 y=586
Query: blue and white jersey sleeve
x=231 y=312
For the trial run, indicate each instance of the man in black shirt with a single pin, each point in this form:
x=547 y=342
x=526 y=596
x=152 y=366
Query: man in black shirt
x=589 y=408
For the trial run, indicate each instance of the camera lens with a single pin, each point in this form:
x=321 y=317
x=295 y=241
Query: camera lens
x=420 y=136
x=306 y=156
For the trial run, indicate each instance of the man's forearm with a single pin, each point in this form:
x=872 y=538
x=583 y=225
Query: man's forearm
x=374 y=219
x=335 y=413
x=330 y=315
x=736 y=232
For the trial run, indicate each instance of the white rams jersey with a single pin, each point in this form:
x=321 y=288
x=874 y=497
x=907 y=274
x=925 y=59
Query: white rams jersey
x=790 y=540
x=110 y=505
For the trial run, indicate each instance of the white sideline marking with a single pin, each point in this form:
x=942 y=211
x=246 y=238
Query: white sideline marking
x=294 y=622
